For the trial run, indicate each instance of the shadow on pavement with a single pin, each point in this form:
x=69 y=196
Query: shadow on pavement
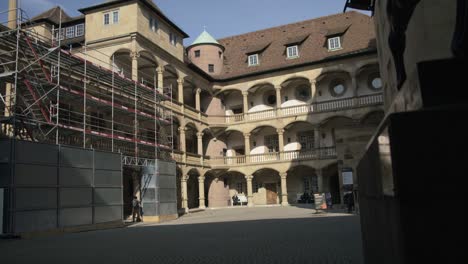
x=305 y=240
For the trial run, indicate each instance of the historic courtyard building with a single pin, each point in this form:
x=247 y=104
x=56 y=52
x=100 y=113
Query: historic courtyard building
x=269 y=115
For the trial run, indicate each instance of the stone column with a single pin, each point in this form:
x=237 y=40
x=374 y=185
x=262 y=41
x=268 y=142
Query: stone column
x=245 y=97
x=12 y=14
x=8 y=107
x=284 y=189
x=247 y=144
x=180 y=86
x=200 y=143
x=280 y=139
x=183 y=147
x=184 y=193
x=249 y=179
x=320 y=186
x=160 y=71
x=201 y=192
x=135 y=56
x=197 y=99
x=313 y=90
x=278 y=96
x=340 y=179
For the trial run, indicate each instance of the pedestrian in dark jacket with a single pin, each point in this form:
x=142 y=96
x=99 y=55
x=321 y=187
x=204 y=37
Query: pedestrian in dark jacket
x=350 y=202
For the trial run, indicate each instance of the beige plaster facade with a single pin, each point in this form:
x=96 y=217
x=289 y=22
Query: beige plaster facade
x=270 y=136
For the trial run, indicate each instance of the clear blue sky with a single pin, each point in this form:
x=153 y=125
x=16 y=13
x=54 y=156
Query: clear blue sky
x=222 y=18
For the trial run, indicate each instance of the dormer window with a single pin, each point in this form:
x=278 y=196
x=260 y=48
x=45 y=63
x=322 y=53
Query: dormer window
x=253 y=60
x=334 y=43
x=253 y=53
x=292 y=52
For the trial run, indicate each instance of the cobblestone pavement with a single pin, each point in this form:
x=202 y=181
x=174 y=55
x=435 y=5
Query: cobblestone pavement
x=239 y=235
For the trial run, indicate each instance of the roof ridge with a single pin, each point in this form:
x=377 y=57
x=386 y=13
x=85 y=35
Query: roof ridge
x=293 y=23
x=49 y=14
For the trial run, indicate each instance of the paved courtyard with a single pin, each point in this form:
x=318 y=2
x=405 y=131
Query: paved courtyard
x=239 y=235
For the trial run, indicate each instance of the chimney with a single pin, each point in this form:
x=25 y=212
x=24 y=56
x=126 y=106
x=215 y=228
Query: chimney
x=12 y=13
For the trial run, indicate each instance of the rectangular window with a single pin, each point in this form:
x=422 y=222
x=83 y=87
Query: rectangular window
x=106 y=19
x=153 y=24
x=293 y=52
x=240 y=188
x=256 y=186
x=307 y=140
x=197 y=54
x=60 y=34
x=334 y=43
x=115 y=16
x=271 y=142
x=70 y=32
x=306 y=185
x=211 y=67
x=253 y=60
x=172 y=39
x=79 y=30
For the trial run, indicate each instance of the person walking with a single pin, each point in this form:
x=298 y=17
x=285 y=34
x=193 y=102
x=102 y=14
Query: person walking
x=136 y=209
x=350 y=202
x=141 y=211
x=328 y=199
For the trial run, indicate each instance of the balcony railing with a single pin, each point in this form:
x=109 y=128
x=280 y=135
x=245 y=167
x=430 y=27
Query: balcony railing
x=193 y=158
x=314 y=154
x=318 y=107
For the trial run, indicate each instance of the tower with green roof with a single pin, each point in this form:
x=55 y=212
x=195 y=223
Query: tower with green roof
x=207 y=54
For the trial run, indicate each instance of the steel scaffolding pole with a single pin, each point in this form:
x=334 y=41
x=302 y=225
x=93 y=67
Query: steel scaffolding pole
x=113 y=73
x=57 y=131
x=39 y=57
x=13 y=91
x=156 y=116
x=135 y=135
x=85 y=92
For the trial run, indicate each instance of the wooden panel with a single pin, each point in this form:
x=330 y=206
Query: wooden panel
x=271 y=193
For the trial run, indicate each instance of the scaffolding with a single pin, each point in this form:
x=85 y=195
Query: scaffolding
x=49 y=94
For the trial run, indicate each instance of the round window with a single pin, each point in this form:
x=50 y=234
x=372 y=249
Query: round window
x=337 y=88
x=375 y=82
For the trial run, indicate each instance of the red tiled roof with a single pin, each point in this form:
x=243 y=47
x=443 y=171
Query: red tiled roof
x=358 y=36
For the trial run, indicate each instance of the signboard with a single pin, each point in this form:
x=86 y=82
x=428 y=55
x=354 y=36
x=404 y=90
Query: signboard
x=320 y=202
x=347 y=176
